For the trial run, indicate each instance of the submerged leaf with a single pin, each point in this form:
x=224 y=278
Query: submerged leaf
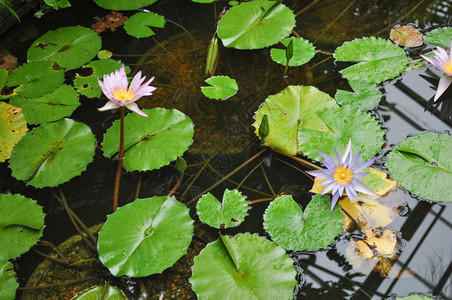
x=145 y=237
x=423 y=165
x=303 y=52
x=8 y=284
x=138 y=25
x=406 y=36
x=12 y=128
x=366 y=95
x=107 y=292
x=246 y=266
x=292 y=229
x=222 y=87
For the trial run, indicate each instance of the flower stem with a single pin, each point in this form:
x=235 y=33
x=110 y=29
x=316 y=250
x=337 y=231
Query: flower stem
x=120 y=158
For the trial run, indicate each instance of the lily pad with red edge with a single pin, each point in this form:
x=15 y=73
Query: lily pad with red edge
x=378 y=59
x=315 y=228
x=123 y=5
x=8 y=284
x=21 y=225
x=286 y=111
x=70 y=47
x=365 y=95
x=36 y=78
x=53 y=153
x=422 y=164
x=406 y=36
x=13 y=127
x=228 y=213
x=342 y=124
x=150 y=142
x=145 y=237
x=303 y=52
x=245 y=266
x=51 y=107
x=255 y=24
x=139 y=25
x=440 y=37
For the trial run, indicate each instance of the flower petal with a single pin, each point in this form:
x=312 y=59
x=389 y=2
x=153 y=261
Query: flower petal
x=134 y=107
x=444 y=83
x=109 y=105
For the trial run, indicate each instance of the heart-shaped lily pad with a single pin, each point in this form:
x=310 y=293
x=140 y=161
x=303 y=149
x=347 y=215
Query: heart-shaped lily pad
x=145 y=237
x=440 y=37
x=286 y=111
x=343 y=124
x=255 y=24
x=379 y=60
x=153 y=142
x=12 y=128
x=21 y=225
x=51 y=107
x=221 y=87
x=292 y=229
x=423 y=165
x=366 y=95
x=138 y=25
x=303 y=51
x=231 y=212
x=107 y=292
x=123 y=5
x=70 y=47
x=53 y=153
x=246 y=266
x=8 y=284
x=37 y=78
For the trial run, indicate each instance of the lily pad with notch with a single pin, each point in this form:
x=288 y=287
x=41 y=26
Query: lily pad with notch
x=293 y=229
x=256 y=24
x=145 y=237
x=70 y=47
x=138 y=25
x=21 y=225
x=150 y=143
x=53 y=153
x=366 y=95
x=303 y=52
x=246 y=266
x=422 y=164
x=229 y=213
x=13 y=127
x=221 y=87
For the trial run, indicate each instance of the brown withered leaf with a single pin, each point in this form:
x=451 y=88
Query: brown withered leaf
x=406 y=36
x=111 y=21
x=8 y=62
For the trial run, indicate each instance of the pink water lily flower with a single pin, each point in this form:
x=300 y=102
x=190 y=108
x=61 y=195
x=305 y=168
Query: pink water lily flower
x=117 y=89
x=343 y=175
x=443 y=62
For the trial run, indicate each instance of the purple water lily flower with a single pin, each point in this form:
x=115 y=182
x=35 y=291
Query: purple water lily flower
x=116 y=88
x=343 y=175
x=443 y=62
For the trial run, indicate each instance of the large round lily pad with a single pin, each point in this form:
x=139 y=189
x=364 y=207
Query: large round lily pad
x=292 y=229
x=123 y=5
x=21 y=225
x=145 y=237
x=153 y=142
x=12 y=128
x=423 y=165
x=246 y=266
x=256 y=24
x=53 y=153
x=70 y=47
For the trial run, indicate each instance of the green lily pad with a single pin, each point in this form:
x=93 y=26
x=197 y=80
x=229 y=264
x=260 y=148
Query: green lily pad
x=440 y=37
x=422 y=164
x=231 y=212
x=50 y=107
x=3 y=76
x=145 y=237
x=379 y=60
x=222 y=87
x=138 y=25
x=246 y=266
x=150 y=143
x=292 y=229
x=366 y=95
x=21 y=225
x=104 y=54
x=342 y=124
x=415 y=297
x=123 y=5
x=86 y=81
x=37 y=78
x=53 y=153
x=203 y=1
x=8 y=284
x=107 y=292
x=12 y=128
x=287 y=110
x=256 y=24
x=303 y=51
x=70 y=47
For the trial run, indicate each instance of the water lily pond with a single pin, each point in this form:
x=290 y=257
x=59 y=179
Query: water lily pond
x=202 y=149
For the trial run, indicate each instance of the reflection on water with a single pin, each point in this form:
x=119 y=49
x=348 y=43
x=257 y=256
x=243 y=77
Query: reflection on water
x=225 y=139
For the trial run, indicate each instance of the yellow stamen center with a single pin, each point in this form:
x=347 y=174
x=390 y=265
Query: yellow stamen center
x=123 y=94
x=448 y=66
x=342 y=175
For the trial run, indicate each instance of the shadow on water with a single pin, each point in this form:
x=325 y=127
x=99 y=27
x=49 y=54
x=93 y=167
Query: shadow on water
x=224 y=139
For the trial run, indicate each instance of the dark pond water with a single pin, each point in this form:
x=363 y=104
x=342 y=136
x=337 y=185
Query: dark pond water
x=224 y=138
